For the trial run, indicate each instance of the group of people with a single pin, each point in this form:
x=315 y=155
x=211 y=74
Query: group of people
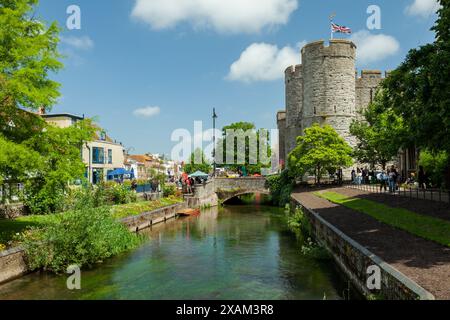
x=362 y=176
x=389 y=179
x=386 y=178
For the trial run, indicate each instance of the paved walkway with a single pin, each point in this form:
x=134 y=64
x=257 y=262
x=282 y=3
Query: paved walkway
x=423 y=261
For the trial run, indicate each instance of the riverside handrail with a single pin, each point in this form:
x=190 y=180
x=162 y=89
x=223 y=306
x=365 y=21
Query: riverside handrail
x=439 y=195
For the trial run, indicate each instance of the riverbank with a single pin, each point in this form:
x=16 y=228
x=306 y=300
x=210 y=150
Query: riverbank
x=418 y=261
x=135 y=216
x=234 y=252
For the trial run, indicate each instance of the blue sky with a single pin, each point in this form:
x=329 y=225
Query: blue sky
x=148 y=67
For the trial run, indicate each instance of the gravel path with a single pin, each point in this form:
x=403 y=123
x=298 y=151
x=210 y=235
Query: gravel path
x=423 y=261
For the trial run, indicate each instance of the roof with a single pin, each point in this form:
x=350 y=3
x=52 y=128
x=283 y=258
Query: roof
x=141 y=158
x=57 y=115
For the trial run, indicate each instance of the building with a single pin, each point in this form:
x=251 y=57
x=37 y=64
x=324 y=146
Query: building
x=101 y=155
x=325 y=89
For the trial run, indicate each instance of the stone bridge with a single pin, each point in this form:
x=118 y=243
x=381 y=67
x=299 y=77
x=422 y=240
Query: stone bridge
x=223 y=189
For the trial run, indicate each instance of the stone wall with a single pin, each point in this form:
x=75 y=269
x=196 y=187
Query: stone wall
x=147 y=219
x=281 y=124
x=354 y=260
x=250 y=184
x=294 y=106
x=366 y=87
x=12 y=264
x=12 y=211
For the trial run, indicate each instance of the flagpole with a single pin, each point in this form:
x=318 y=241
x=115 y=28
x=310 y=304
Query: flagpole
x=331 y=25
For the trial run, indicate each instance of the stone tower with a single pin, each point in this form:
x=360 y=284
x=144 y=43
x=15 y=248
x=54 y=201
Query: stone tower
x=329 y=86
x=294 y=105
x=325 y=89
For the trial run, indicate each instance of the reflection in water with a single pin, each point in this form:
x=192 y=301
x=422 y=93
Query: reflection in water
x=238 y=252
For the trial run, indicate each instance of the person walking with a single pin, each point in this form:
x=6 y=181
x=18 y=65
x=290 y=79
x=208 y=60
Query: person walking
x=422 y=178
x=382 y=178
x=353 y=176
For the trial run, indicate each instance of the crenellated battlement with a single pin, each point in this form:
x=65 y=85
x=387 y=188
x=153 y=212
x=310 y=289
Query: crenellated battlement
x=336 y=48
x=325 y=89
x=296 y=69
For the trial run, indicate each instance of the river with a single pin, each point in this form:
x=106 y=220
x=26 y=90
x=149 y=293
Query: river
x=235 y=252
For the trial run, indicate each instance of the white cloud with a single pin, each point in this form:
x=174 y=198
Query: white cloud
x=422 y=8
x=230 y=16
x=374 y=47
x=147 y=112
x=263 y=62
x=80 y=43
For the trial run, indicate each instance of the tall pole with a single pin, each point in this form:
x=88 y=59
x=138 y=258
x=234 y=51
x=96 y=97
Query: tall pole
x=214 y=141
x=331 y=22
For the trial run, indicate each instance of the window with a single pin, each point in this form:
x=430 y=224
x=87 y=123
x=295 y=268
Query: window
x=98 y=155
x=110 y=156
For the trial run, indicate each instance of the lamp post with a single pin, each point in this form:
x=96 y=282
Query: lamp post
x=214 y=117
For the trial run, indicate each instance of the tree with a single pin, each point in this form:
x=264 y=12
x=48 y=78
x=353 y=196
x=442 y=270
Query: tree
x=249 y=154
x=59 y=150
x=418 y=90
x=197 y=162
x=28 y=53
x=380 y=134
x=317 y=150
x=434 y=165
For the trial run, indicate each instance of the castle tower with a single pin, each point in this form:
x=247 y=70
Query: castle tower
x=366 y=87
x=329 y=85
x=281 y=124
x=294 y=105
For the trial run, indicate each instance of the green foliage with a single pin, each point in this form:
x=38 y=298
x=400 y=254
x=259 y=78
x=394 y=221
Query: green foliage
x=82 y=237
x=241 y=131
x=126 y=210
x=198 y=162
x=300 y=225
x=319 y=149
x=17 y=160
x=418 y=89
x=380 y=135
x=434 y=166
x=59 y=152
x=120 y=194
x=169 y=190
x=280 y=187
x=28 y=53
x=434 y=229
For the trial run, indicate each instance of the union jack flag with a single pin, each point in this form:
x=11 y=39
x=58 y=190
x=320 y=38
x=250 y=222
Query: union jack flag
x=341 y=29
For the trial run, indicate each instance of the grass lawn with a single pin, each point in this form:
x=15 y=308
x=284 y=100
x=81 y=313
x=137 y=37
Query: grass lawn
x=8 y=228
x=426 y=227
x=133 y=209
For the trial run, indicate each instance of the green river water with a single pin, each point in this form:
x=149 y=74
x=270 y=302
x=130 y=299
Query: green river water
x=236 y=252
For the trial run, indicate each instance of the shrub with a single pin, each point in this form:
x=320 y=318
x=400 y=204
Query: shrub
x=169 y=190
x=82 y=237
x=435 y=166
x=280 y=187
x=121 y=194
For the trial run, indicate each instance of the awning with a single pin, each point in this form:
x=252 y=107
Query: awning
x=198 y=174
x=119 y=172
